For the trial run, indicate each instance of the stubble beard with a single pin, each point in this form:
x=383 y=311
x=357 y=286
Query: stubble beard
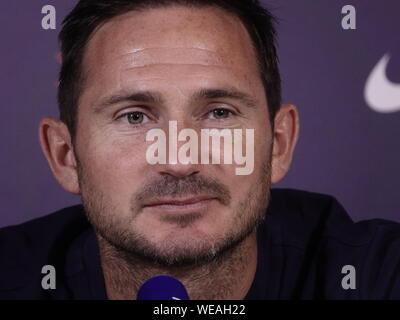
x=133 y=246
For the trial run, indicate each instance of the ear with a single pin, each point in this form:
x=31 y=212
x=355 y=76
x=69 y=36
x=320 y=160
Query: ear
x=285 y=135
x=57 y=147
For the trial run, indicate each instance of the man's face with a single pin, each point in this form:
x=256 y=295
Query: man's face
x=171 y=213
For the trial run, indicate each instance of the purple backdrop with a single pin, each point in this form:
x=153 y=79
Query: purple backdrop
x=345 y=148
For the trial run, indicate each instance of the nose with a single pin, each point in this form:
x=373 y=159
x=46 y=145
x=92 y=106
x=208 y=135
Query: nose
x=179 y=170
x=175 y=165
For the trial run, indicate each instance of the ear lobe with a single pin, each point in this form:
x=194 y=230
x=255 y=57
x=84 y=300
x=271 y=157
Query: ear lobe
x=285 y=136
x=57 y=147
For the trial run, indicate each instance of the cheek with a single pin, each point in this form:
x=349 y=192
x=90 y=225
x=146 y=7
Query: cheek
x=262 y=154
x=240 y=185
x=262 y=141
x=114 y=165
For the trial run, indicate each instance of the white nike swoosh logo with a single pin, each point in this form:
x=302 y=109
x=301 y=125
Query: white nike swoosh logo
x=380 y=93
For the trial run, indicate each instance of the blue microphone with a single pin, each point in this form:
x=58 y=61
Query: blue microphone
x=162 y=288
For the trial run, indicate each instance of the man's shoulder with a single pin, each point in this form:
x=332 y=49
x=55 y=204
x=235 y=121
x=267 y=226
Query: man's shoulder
x=317 y=230
x=307 y=213
x=26 y=247
x=42 y=230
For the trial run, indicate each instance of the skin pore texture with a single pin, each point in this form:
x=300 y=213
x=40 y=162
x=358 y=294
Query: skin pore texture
x=212 y=243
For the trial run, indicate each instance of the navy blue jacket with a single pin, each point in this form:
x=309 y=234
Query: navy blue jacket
x=303 y=245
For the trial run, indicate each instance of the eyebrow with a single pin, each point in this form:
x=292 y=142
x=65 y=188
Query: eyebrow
x=156 y=98
x=230 y=93
x=142 y=96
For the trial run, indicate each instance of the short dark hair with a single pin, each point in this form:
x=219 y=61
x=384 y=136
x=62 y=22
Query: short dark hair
x=87 y=15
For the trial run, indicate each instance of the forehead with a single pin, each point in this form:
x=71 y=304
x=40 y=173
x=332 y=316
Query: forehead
x=193 y=41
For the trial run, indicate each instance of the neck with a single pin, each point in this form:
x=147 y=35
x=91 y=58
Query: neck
x=229 y=277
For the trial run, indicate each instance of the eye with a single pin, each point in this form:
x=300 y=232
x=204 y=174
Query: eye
x=220 y=113
x=134 y=117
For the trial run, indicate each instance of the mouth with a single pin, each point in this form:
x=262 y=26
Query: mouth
x=180 y=205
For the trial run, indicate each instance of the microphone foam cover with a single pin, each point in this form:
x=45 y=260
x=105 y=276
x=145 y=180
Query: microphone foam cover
x=162 y=288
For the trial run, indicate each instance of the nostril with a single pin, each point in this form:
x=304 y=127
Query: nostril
x=178 y=172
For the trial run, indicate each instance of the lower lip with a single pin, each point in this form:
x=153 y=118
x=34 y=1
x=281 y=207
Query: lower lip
x=182 y=209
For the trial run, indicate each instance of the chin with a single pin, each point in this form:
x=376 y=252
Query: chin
x=185 y=251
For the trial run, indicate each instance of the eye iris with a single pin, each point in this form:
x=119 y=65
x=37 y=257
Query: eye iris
x=220 y=113
x=135 y=117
